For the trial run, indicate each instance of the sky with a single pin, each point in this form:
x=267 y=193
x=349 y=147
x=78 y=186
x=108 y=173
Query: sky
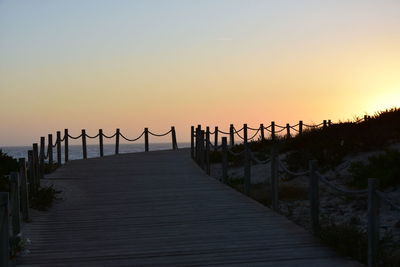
x=90 y=64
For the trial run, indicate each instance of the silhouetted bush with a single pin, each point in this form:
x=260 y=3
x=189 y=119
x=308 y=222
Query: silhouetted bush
x=7 y=164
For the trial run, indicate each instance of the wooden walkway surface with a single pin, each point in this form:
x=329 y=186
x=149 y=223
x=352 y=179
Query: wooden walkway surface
x=160 y=209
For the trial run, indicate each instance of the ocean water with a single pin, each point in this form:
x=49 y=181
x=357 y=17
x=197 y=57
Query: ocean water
x=93 y=150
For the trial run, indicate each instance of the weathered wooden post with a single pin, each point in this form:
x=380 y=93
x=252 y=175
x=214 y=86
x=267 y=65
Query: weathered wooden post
x=16 y=204
x=262 y=132
x=202 y=149
x=329 y=123
x=66 y=146
x=50 y=150
x=197 y=147
x=300 y=127
x=101 y=142
x=84 y=148
x=365 y=117
x=207 y=152
x=325 y=124
x=224 y=160
x=216 y=138
x=41 y=156
x=36 y=166
x=192 y=141
x=31 y=172
x=272 y=130
x=232 y=135
x=288 y=130
x=173 y=136
x=4 y=230
x=373 y=222
x=274 y=180
x=146 y=139
x=24 y=189
x=117 y=142
x=58 y=149
x=247 y=163
x=314 y=196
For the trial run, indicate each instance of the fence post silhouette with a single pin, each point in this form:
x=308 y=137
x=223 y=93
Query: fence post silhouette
x=247 y=162
x=287 y=130
x=101 y=142
x=146 y=139
x=231 y=135
x=174 y=142
x=41 y=156
x=300 y=127
x=36 y=166
x=4 y=230
x=15 y=204
x=207 y=153
x=329 y=123
x=216 y=138
x=192 y=141
x=117 y=141
x=224 y=160
x=262 y=132
x=324 y=124
x=365 y=117
x=31 y=173
x=24 y=189
x=58 y=142
x=197 y=147
x=50 y=149
x=272 y=130
x=66 y=146
x=274 y=180
x=202 y=156
x=314 y=196
x=373 y=222
x=84 y=148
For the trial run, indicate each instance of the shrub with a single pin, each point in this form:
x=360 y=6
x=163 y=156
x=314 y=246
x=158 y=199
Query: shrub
x=44 y=198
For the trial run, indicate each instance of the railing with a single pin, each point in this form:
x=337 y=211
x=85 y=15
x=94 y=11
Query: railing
x=201 y=148
x=24 y=185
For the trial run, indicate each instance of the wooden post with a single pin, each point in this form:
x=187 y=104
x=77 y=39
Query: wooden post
x=232 y=135
x=31 y=172
x=207 y=152
x=36 y=166
x=192 y=141
x=272 y=130
x=262 y=132
x=216 y=138
x=4 y=230
x=245 y=133
x=329 y=123
x=365 y=117
x=66 y=146
x=202 y=150
x=24 y=189
x=58 y=149
x=325 y=124
x=173 y=135
x=146 y=139
x=41 y=156
x=197 y=147
x=117 y=142
x=247 y=169
x=373 y=223
x=300 y=127
x=287 y=130
x=84 y=148
x=50 y=150
x=274 y=180
x=15 y=207
x=101 y=142
x=224 y=160
x=314 y=196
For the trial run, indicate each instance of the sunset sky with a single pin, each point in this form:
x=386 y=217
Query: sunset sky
x=133 y=64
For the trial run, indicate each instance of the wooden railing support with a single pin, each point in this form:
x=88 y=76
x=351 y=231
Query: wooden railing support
x=192 y=142
x=101 y=142
x=117 y=141
x=31 y=173
x=66 y=146
x=146 y=139
x=24 y=190
x=50 y=149
x=202 y=149
x=4 y=230
x=324 y=124
x=58 y=149
x=173 y=136
x=15 y=206
x=207 y=151
x=224 y=160
x=300 y=127
x=314 y=196
x=373 y=223
x=262 y=132
x=41 y=156
x=216 y=138
x=231 y=135
x=288 y=131
x=36 y=166
x=272 y=130
x=84 y=148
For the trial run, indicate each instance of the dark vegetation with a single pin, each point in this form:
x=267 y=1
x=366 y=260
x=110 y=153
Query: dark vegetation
x=44 y=198
x=7 y=164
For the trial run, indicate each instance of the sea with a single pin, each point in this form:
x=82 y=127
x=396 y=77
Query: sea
x=93 y=150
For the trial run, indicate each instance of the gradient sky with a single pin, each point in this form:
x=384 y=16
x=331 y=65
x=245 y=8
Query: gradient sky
x=132 y=64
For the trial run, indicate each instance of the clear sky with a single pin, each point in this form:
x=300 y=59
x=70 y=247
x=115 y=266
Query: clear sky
x=132 y=64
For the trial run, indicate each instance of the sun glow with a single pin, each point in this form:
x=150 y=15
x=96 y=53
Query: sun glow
x=384 y=100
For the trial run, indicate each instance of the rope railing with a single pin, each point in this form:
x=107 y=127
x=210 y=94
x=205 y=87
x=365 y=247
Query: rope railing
x=223 y=132
x=109 y=136
x=256 y=133
x=285 y=169
x=134 y=139
x=92 y=137
x=254 y=158
x=75 y=137
x=338 y=188
x=160 y=135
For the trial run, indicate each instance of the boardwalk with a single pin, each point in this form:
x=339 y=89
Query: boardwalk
x=160 y=209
